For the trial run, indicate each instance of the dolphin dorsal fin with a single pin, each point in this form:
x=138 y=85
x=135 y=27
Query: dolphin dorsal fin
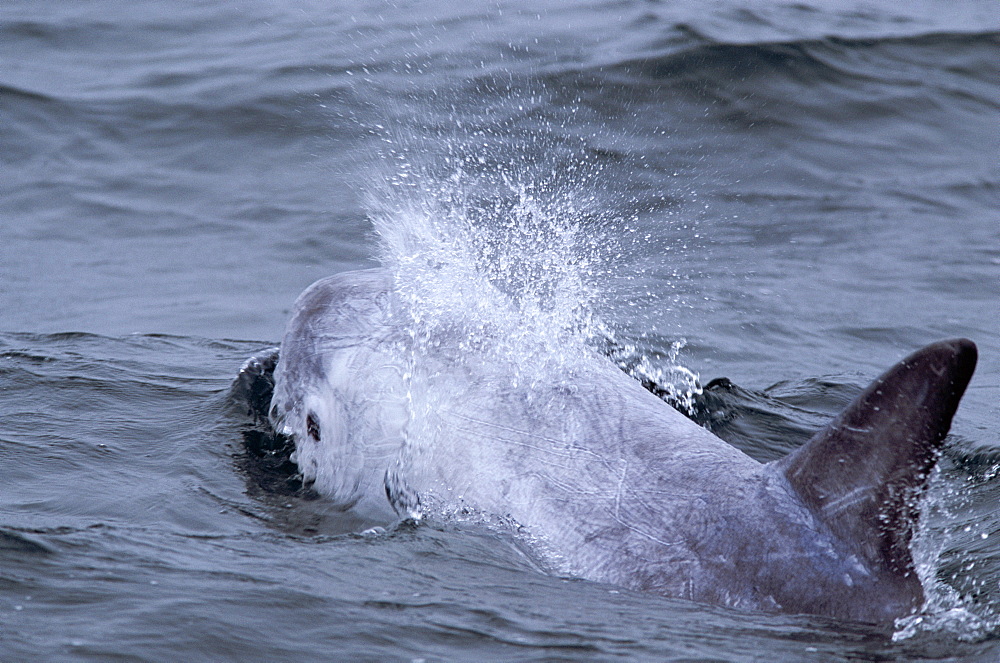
x=862 y=473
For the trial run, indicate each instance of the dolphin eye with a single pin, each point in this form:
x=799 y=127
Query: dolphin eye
x=312 y=427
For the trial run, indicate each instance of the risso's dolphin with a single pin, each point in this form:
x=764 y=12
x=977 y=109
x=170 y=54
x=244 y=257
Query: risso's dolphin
x=616 y=484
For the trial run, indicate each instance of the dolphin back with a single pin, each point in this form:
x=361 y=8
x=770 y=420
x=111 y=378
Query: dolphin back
x=863 y=473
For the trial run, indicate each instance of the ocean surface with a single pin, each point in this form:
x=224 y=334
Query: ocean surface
x=791 y=195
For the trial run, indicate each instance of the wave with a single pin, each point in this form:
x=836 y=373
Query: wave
x=814 y=60
x=10 y=93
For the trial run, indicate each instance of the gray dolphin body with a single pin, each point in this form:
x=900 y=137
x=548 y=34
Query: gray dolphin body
x=617 y=484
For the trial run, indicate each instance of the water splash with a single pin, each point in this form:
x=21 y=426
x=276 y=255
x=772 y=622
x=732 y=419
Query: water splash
x=505 y=246
x=664 y=375
x=945 y=610
x=512 y=275
x=494 y=274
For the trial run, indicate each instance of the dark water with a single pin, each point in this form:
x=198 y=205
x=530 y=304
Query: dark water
x=802 y=192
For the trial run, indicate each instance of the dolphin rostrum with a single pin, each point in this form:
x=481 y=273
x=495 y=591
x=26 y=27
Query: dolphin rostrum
x=615 y=484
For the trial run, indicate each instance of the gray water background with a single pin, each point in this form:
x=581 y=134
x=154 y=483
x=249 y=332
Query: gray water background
x=814 y=190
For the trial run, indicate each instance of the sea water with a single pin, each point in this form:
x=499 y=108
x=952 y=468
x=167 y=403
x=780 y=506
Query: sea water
x=791 y=196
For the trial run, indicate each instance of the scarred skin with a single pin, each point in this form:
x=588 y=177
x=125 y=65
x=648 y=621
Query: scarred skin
x=620 y=486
